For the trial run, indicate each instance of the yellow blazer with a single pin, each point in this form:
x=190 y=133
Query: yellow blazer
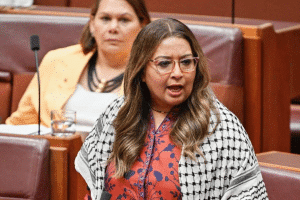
x=60 y=71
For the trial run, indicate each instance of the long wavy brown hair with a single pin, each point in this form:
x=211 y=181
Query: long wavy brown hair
x=131 y=123
x=88 y=42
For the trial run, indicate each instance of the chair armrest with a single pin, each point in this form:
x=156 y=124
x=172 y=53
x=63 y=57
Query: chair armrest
x=5 y=77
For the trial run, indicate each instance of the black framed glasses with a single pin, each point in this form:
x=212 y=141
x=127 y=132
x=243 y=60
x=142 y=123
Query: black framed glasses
x=166 y=66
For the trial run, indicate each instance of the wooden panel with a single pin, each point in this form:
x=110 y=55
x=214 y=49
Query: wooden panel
x=52 y=2
x=81 y=3
x=276 y=92
x=5 y=99
x=215 y=8
x=253 y=90
x=20 y=83
x=257 y=9
x=271 y=10
x=59 y=173
x=225 y=93
x=292 y=45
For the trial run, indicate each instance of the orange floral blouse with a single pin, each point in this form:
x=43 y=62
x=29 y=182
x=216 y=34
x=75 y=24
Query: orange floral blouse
x=154 y=175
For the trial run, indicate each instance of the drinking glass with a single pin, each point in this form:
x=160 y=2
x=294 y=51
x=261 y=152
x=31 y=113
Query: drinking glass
x=63 y=122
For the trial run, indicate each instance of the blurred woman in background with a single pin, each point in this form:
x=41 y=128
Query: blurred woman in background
x=86 y=77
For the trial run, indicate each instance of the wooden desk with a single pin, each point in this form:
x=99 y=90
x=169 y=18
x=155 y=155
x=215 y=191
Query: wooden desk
x=76 y=186
x=280 y=160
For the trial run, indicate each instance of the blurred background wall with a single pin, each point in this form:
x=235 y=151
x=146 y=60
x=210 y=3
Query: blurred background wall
x=279 y=10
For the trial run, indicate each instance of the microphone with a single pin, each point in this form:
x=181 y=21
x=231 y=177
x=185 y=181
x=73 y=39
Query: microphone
x=35 y=46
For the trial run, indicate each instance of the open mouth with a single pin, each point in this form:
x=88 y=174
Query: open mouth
x=175 y=89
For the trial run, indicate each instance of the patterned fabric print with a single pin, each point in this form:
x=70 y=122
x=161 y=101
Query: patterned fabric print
x=155 y=173
x=229 y=153
x=231 y=171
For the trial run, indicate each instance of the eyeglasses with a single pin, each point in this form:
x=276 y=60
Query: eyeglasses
x=165 y=66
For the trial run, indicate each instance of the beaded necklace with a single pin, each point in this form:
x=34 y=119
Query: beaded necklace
x=100 y=85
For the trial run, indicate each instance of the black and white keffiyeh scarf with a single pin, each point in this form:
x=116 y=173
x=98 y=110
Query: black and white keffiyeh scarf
x=231 y=170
